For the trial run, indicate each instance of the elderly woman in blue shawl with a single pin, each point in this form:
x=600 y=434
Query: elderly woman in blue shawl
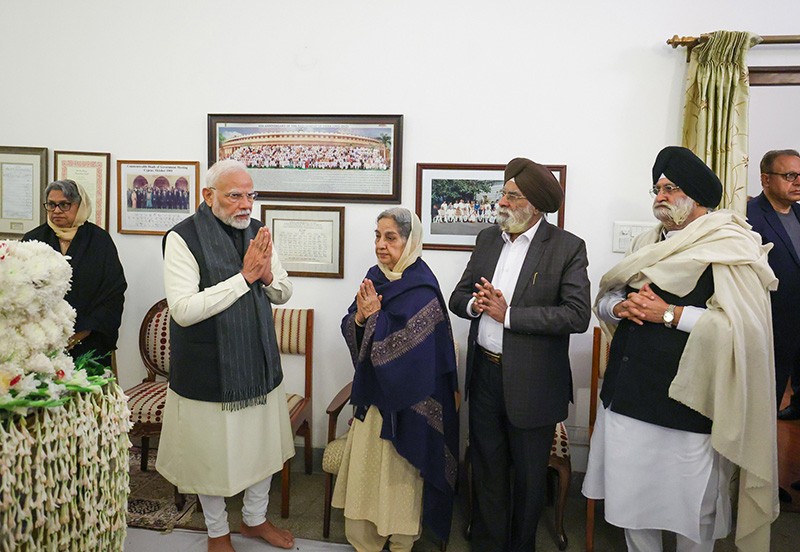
x=400 y=462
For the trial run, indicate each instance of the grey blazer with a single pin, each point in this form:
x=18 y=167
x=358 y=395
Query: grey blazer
x=551 y=301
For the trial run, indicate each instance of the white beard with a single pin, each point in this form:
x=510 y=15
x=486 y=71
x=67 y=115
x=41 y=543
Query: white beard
x=515 y=222
x=674 y=214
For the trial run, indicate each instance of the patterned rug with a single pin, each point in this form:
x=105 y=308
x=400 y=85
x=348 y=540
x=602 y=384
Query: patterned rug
x=151 y=504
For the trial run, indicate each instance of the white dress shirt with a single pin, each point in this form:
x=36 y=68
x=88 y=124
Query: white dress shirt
x=506 y=274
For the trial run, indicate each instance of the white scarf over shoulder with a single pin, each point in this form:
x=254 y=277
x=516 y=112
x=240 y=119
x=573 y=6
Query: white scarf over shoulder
x=727 y=371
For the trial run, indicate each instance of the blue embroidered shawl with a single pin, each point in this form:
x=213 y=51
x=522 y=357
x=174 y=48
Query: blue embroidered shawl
x=405 y=365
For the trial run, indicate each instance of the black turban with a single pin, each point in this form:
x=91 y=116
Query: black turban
x=684 y=169
x=537 y=184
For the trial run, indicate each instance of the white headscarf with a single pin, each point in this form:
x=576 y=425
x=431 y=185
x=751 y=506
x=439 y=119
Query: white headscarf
x=411 y=252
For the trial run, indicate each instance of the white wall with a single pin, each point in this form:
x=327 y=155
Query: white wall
x=774 y=124
x=588 y=84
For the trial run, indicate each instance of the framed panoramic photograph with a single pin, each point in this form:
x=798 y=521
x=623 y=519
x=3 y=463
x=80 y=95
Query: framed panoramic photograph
x=154 y=196
x=91 y=171
x=456 y=201
x=310 y=240
x=23 y=178
x=314 y=157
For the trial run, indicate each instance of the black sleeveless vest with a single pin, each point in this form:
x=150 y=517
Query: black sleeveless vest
x=643 y=361
x=194 y=353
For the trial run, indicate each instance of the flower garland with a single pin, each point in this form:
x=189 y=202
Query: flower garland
x=36 y=322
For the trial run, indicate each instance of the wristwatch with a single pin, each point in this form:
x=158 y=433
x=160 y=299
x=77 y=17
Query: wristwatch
x=669 y=316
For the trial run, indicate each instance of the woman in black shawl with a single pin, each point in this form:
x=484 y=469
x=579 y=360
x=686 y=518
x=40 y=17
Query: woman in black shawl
x=400 y=462
x=98 y=283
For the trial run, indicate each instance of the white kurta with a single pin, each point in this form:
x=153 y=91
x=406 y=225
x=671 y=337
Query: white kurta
x=653 y=477
x=202 y=448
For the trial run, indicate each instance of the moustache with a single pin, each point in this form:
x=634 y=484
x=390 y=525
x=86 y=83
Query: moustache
x=243 y=212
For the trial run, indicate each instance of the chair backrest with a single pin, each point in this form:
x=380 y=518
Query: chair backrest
x=600 y=347
x=154 y=341
x=294 y=329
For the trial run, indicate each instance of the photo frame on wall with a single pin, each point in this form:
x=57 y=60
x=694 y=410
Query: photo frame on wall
x=92 y=171
x=356 y=158
x=154 y=196
x=310 y=240
x=456 y=201
x=23 y=178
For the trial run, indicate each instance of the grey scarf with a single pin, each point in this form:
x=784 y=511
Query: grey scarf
x=249 y=362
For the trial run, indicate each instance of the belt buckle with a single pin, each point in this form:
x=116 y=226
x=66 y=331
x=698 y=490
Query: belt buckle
x=494 y=358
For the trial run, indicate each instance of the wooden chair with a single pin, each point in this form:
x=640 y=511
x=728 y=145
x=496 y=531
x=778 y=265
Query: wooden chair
x=146 y=400
x=334 y=451
x=294 y=329
x=560 y=465
x=600 y=349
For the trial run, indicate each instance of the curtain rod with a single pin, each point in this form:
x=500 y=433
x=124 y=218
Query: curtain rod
x=692 y=41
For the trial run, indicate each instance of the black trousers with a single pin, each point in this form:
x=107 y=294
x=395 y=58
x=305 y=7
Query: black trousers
x=509 y=468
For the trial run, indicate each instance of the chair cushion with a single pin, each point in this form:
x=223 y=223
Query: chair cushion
x=560 y=442
x=146 y=402
x=332 y=457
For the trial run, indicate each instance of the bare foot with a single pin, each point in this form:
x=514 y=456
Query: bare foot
x=220 y=544
x=273 y=535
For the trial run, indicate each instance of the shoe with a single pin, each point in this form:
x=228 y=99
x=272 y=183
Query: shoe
x=784 y=495
x=791 y=412
x=796 y=485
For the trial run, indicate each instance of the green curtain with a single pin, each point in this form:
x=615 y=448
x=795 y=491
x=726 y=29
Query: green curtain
x=715 y=117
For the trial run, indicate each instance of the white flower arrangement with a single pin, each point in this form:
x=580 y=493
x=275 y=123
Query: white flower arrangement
x=36 y=322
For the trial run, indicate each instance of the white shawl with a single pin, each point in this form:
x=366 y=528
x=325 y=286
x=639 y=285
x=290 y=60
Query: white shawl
x=727 y=371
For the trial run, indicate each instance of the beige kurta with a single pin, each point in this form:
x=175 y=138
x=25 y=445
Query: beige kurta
x=375 y=483
x=206 y=450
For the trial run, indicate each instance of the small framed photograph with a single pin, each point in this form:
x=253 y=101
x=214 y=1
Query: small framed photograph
x=23 y=178
x=154 y=196
x=456 y=201
x=310 y=240
x=91 y=171
x=314 y=157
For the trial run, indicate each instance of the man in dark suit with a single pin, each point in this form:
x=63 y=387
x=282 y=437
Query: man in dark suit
x=776 y=216
x=525 y=289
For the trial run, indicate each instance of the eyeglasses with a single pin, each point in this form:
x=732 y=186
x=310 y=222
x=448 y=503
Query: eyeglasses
x=64 y=206
x=237 y=196
x=788 y=177
x=666 y=188
x=511 y=196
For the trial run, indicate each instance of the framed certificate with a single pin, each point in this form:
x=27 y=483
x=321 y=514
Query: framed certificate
x=91 y=171
x=23 y=178
x=309 y=240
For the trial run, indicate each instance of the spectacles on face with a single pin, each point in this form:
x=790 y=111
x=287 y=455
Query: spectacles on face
x=788 y=177
x=63 y=206
x=668 y=189
x=237 y=196
x=511 y=196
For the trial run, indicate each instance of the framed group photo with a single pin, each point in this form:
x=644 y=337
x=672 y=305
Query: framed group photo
x=456 y=201
x=154 y=196
x=23 y=178
x=91 y=171
x=310 y=240
x=314 y=157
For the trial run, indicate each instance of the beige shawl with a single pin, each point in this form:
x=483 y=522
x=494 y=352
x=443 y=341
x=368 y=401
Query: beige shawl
x=727 y=371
